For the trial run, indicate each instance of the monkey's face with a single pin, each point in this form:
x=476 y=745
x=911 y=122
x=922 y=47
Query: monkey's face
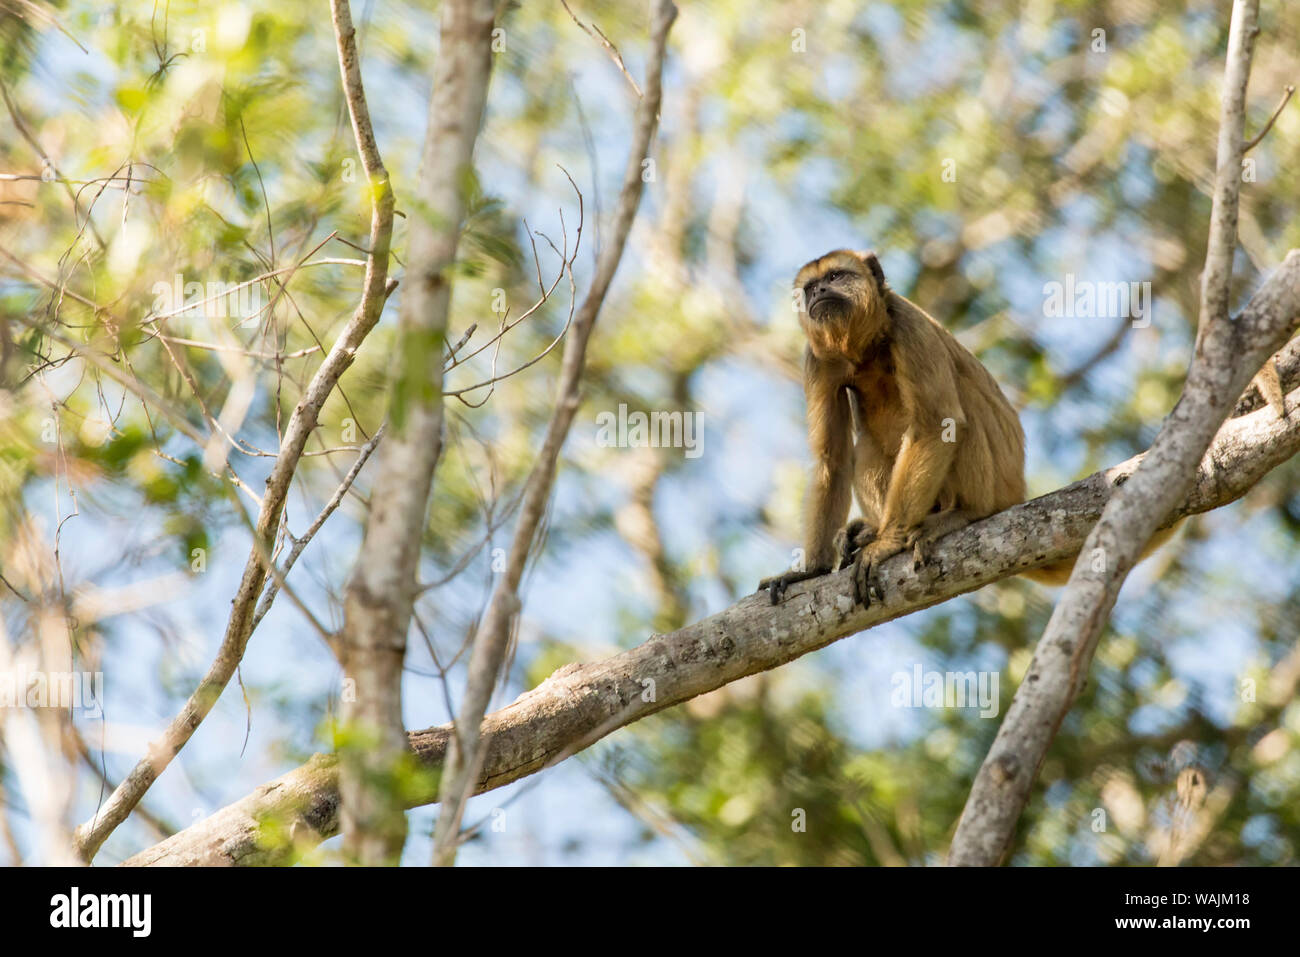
x=829 y=294
x=842 y=296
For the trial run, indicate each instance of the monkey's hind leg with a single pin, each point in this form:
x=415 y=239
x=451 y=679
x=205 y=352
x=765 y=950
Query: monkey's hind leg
x=934 y=527
x=777 y=584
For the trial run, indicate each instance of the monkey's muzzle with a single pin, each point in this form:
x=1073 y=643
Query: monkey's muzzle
x=825 y=304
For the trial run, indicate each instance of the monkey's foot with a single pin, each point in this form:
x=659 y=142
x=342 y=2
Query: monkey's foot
x=934 y=527
x=777 y=584
x=866 y=571
x=850 y=540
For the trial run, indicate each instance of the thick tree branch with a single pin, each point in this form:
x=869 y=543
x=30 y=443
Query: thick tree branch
x=379 y=596
x=580 y=704
x=90 y=836
x=1227 y=356
x=492 y=638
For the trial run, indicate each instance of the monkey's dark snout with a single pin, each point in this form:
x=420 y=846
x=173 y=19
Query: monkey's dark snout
x=821 y=288
x=821 y=295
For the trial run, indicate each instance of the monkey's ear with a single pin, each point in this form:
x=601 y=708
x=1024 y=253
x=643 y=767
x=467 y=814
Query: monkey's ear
x=873 y=264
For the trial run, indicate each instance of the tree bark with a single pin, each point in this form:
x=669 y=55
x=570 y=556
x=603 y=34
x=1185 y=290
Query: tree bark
x=380 y=593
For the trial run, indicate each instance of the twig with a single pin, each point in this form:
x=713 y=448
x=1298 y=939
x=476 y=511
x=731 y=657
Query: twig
x=545 y=292
x=566 y=269
x=21 y=125
x=301 y=542
x=605 y=42
x=1254 y=140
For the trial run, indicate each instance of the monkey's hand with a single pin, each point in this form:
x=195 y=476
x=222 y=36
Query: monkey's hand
x=777 y=584
x=850 y=539
x=866 y=569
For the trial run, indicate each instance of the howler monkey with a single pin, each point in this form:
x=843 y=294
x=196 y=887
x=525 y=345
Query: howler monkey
x=900 y=416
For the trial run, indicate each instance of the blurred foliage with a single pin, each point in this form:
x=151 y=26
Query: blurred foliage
x=786 y=129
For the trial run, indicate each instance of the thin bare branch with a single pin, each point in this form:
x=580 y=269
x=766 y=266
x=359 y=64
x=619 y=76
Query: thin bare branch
x=1255 y=140
x=492 y=638
x=609 y=47
x=301 y=542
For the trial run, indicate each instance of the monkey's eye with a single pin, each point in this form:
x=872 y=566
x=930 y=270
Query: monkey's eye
x=834 y=274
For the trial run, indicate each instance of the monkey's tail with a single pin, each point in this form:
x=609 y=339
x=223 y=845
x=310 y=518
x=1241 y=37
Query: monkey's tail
x=1058 y=572
x=1055 y=573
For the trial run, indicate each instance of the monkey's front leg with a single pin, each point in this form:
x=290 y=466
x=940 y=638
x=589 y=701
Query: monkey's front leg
x=829 y=492
x=914 y=484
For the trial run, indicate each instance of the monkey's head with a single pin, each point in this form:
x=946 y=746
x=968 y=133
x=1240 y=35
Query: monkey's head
x=844 y=298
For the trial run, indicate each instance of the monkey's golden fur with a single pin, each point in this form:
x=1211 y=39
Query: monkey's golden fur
x=900 y=416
